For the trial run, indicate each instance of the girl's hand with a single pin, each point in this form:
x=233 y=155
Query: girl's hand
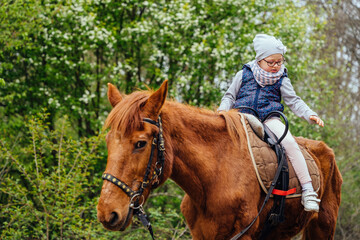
x=317 y=120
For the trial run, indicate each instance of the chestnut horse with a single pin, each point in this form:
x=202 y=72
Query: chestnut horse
x=207 y=155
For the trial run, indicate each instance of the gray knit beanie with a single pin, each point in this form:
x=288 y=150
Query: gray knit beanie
x=266 y=45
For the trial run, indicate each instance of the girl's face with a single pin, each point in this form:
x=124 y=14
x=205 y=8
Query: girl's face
x=275 y=60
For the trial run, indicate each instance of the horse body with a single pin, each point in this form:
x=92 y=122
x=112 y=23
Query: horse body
x=207 y=156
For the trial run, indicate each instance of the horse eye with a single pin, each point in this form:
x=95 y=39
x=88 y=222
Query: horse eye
x=140 y=144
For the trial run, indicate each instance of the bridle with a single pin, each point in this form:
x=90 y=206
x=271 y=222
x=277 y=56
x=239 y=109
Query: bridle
x=135 y=206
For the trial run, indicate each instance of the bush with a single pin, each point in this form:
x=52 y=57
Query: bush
x=48 y=183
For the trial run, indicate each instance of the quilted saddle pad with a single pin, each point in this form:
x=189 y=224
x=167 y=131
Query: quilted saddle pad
x=265 y=163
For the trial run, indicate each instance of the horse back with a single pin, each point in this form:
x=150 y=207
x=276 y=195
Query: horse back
x=324 y=157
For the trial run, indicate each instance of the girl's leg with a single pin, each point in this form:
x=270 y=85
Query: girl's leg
x=297 y=160
x=293 y=151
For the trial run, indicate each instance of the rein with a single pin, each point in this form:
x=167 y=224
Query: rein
x=135 y=196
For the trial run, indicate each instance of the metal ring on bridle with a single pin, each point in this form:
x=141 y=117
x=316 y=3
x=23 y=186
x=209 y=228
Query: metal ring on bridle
x=158 y=168
x=132 y=200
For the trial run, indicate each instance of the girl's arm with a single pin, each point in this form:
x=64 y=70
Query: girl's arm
x=228 y=100
x=297 y=105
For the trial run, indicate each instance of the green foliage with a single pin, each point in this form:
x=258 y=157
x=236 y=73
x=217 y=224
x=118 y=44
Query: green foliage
x=349 y=217
x=48 y=183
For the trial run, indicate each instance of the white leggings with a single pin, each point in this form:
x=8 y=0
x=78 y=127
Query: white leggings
x=292 y=149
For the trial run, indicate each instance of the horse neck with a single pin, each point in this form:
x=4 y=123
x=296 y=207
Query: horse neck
x=198 y=139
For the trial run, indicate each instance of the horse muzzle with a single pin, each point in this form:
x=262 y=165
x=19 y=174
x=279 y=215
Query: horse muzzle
x=114 y=220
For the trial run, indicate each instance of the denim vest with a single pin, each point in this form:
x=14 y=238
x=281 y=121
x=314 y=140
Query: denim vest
x=262 y=99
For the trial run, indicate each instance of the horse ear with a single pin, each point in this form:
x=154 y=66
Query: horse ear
x=155 y=102
x=114 y=95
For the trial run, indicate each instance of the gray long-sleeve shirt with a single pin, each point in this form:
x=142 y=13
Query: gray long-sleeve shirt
x=294 y=102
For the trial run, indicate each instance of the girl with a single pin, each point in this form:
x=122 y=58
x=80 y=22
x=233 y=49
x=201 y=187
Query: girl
x=260 y=85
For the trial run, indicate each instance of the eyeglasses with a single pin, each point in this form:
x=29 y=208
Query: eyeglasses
x=272 y=63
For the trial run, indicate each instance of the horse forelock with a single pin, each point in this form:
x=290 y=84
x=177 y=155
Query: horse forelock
x=125 y=117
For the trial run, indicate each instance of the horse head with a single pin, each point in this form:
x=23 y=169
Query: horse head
x=134 y=164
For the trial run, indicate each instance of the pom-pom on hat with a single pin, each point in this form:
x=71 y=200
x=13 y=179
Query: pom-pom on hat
x=266 y=45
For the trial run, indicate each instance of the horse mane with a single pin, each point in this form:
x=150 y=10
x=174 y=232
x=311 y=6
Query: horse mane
x=127 y=113
x=233 y=125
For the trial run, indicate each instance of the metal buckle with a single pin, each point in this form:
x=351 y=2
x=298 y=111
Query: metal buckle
x=156 y=179
x=132 y=201
x=158 y=168
x=144 y=184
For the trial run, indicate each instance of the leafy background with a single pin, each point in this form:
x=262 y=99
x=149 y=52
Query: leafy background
x=57 y=56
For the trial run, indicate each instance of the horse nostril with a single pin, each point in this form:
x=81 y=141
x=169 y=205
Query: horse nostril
x=114 y=219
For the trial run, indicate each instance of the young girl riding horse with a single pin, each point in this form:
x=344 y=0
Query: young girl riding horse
x=260 y=85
